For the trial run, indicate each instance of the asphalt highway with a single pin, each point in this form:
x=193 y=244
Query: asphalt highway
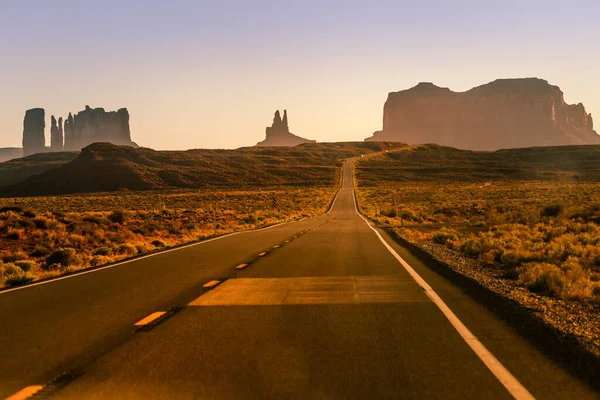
x=328 y=307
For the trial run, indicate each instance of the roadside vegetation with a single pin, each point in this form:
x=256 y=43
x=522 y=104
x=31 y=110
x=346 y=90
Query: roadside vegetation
x=42 y=237
x=542 y=235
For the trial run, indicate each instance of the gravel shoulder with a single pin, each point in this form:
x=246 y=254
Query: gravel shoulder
x=572 y=320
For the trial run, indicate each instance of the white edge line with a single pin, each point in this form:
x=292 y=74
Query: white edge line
x=90 y=271
x=334 y=200
x=514 y=387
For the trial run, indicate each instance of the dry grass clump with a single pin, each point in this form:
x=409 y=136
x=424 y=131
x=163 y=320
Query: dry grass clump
x=545 y=235
x=47 y=236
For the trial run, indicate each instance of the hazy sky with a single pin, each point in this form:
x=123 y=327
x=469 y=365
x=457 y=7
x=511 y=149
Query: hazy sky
x=211 y=73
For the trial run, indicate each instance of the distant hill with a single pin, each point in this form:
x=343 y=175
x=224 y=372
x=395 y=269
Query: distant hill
x=103 y=167
x=8 y=153
x=436 y=163
x=506 y=113
x=19 y=169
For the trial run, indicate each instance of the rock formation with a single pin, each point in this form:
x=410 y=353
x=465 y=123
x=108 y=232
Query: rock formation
x=34 y=140
x=506 y=113
x=95 y=125
x=56 y=134
x=278 y=134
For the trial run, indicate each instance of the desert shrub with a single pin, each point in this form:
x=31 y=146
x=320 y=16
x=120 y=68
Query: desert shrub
x=19 y=278
x=40 y=251
x=64 y=257
x=92 y=219
x=15 y=209
x=596 y=294
x=117 y=216
x=15 y=256
x=26 y=223
x=12 y=275
x=29 y=214
x=102 y=251
x=100 y=260
x=512 y=258
x=489 y=257
x=141 y=247
x=126 y=249
x=542 y=278
x=444 y=235
x=14 y=234
x=473 y=247
x=552 y=210
x=158 y=243
x=250 y=219
x=577 y=285
x=27 y=265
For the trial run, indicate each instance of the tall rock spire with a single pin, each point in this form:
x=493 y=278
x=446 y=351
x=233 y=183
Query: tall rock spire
x=56 y=134
x=34 y=124
x=279 y=134
x=284 y=122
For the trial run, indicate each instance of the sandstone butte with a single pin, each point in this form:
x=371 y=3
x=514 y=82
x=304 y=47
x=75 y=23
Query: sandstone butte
x=91 y=125
x=506 y=113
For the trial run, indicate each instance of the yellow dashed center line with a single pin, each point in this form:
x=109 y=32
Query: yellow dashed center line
x=287 y=241
x=150 y=318
x=241 y=266
x=262 y=254
x=211 y=284
x=276 y=246
x=25 y=393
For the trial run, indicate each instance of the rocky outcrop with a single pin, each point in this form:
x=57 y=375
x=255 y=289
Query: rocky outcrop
x=56 y=134
x=278 y=134
x=506 y=113
x=95 y=125
x=34 y=140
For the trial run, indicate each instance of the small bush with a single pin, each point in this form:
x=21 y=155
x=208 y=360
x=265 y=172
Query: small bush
x=596 y=294
x=127 y=249
x=102 y=251
x=577 y=285
x=117 y=216
x=542 y=278
x=19 y=278
x=552 y=210
x=29 y=214
x=12 y=257
x=141 y=247
x=444 y=235
x=158 y=243
x=42 y=223
x=92 y=219
x=40 y=251
x=27 y=265
x=64 y=257
x=250 y=219
x=16 y=209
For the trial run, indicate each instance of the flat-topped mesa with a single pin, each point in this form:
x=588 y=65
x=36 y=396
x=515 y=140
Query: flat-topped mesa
x=278 y=134
x=505 y=113
x=95 y=125
x=34 y=124
x=56 y=134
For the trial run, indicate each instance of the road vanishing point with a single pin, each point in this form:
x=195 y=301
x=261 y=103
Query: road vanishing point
x=324 y=308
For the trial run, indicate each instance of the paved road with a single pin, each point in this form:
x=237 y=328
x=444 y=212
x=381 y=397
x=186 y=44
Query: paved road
x=327 y=312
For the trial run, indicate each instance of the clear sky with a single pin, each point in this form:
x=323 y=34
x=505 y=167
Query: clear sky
x=210 y=74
